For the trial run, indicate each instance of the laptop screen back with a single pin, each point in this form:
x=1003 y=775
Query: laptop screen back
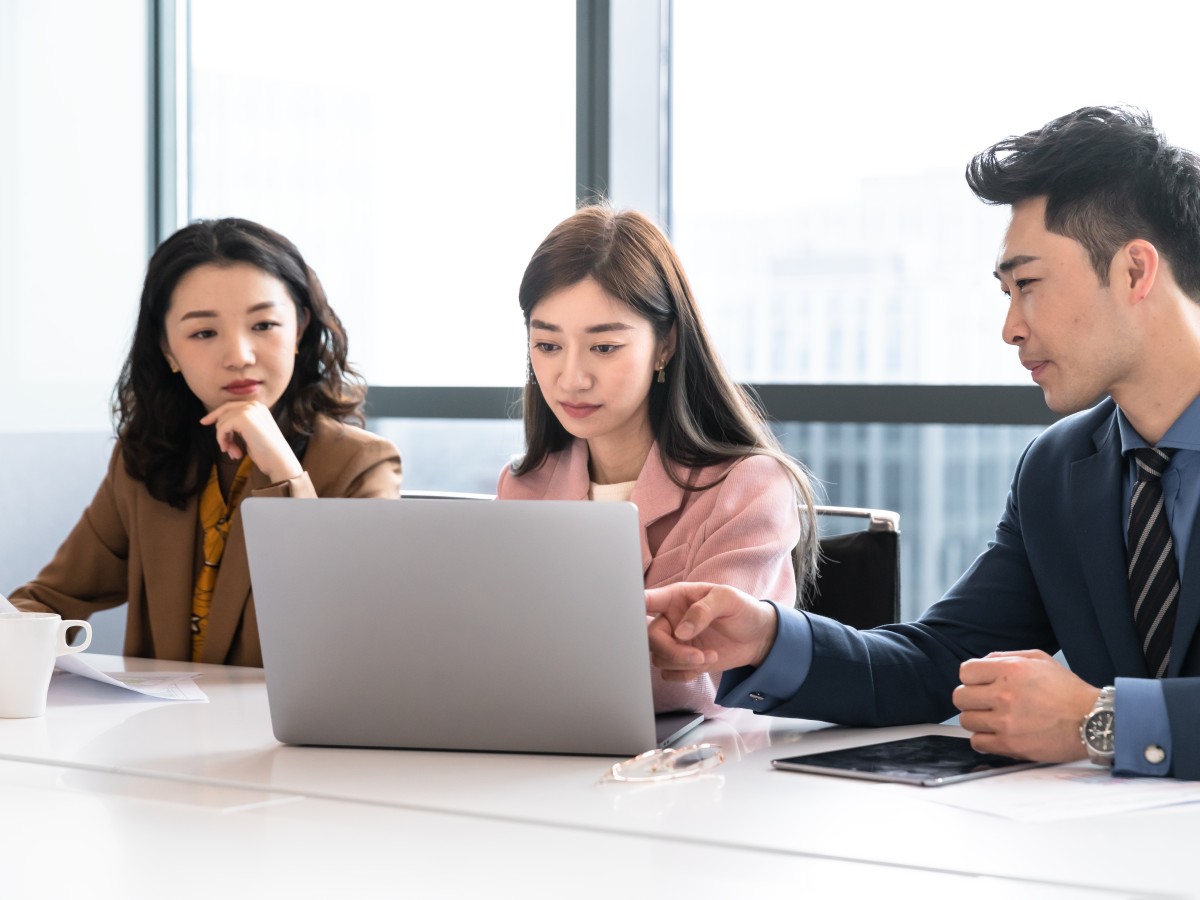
x=448 y=624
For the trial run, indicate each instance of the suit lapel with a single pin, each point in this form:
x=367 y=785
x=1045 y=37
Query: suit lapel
x=169 y=544
x=233 y=582
x=1095 y=491
x=655 y=495
x=570 y=479
x=1187 y=614
x=230 y=595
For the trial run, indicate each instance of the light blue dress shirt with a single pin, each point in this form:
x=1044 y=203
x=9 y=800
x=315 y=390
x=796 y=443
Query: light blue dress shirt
x=1140 y=707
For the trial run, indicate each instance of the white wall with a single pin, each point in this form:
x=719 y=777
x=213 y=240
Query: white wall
x=74 y=239
x=74 y=195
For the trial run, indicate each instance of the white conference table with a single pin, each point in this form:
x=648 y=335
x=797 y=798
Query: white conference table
x=170 y=781
x=76 y=832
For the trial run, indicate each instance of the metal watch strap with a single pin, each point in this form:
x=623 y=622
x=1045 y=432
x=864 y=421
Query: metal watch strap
x=1104 y=704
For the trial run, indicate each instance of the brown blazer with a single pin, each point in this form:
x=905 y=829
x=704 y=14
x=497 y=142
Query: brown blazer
x=131 y=548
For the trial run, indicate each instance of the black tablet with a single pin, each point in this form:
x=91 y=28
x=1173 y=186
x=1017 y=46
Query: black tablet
x=929 y=760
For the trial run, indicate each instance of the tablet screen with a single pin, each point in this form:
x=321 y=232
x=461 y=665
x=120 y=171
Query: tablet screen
x=929 y=760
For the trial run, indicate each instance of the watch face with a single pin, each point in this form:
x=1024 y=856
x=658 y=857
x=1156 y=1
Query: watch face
x=1098 y=732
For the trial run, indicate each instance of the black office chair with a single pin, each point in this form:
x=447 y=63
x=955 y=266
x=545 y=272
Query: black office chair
x=858 y=577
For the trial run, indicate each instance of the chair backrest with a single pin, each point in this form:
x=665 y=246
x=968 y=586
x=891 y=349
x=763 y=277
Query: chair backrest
x=858 y=577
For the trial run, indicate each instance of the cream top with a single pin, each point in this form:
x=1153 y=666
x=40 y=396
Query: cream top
x=611 y=493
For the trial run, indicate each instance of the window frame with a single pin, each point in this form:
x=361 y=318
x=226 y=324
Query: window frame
x=623 y=152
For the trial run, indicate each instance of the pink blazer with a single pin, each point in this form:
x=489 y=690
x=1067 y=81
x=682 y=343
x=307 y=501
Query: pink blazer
x=740 y=532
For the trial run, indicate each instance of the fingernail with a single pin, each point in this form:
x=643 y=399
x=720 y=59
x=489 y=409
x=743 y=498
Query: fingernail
x=685 y=630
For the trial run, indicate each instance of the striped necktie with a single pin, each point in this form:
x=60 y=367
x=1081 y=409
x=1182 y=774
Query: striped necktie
x=1153 y=570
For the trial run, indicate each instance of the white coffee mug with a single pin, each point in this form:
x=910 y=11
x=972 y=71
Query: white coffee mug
x=29 y=644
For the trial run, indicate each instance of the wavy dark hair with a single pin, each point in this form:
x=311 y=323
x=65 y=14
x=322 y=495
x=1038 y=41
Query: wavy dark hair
x=700 y=416
x=1108 y=177
x=158 y=417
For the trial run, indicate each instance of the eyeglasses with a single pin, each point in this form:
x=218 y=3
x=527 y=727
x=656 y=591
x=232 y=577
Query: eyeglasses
x=663 y=764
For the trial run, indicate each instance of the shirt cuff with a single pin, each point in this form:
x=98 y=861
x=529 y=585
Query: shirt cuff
x=781 y=673
x=1143 y=730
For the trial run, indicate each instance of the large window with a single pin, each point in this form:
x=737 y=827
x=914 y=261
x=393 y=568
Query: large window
x=820 y=208
x=416 y=153
x=818 y=193
x=807 y=159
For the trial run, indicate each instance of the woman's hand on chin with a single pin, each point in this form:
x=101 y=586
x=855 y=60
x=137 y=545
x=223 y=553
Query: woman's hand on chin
x=249 y=424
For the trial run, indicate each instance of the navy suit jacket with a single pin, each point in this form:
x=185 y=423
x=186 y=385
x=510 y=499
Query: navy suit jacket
x=1053 y=578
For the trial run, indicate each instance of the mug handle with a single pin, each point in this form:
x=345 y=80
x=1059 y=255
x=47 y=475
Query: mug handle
x=63 y=647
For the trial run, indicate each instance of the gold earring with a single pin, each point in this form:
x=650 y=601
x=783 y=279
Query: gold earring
x=297 y=350
x=662 y=375
x=174 y=368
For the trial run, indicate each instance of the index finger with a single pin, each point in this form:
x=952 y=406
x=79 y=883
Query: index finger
x=214 y=415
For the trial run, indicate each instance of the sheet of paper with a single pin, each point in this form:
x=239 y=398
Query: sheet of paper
x=160 y=685
x=1071 y=791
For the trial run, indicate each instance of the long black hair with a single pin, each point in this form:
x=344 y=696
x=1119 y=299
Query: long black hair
x=699 y=416
x=157 y=415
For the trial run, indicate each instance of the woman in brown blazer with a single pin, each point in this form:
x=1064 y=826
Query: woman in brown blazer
x=236 y=385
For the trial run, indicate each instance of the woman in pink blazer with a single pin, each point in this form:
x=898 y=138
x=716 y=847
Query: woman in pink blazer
x=626 y=399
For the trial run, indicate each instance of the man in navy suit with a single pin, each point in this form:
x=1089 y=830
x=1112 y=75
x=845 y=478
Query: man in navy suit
x=1101 y=265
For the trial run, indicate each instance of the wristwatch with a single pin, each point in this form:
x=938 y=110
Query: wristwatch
x=1098 y=728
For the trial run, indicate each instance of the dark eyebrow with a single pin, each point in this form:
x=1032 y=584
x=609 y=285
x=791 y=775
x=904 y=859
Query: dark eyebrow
x=1012 y=262
x=209 y=314
x=592 y=329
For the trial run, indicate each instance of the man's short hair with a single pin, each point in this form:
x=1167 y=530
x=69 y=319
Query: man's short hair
x=1108 y=177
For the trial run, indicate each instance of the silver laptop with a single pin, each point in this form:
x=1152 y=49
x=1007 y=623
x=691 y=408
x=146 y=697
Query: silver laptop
x=455 y=624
